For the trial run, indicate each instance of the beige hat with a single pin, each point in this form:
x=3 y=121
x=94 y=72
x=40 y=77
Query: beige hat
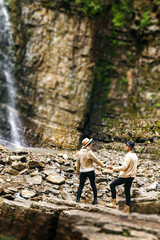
x=86 y=142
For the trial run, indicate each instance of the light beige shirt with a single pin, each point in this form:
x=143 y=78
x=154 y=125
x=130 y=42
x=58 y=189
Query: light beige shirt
x=129 y=166
x=85 y=160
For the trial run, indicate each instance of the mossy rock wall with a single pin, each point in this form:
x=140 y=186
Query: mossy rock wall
x=125 y=99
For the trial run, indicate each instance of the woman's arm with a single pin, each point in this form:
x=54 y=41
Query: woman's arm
x=95 y=159
x=78 y=165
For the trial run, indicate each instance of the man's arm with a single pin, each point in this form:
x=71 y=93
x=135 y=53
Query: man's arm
x=124 y=165
x=95 y=159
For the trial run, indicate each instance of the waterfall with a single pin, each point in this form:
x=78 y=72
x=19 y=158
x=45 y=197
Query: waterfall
x=7 y=69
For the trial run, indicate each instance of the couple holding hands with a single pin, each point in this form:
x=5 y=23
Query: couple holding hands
x=85 y=160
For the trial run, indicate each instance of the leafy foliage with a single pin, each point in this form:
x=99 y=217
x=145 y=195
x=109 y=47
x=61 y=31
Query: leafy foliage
x=91 y=6
x=157 y=105
x=121 y=13
x=157 y=2
x=123 y=82
x=6 y=237
x=87 y=7
x=145 y=21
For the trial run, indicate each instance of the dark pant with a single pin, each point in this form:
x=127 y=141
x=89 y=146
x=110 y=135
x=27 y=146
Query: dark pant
x=127 y=184
x=83 y=177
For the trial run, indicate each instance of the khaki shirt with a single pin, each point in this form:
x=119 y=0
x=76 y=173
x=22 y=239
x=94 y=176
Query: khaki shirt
x=129 y=166
x=85 y=159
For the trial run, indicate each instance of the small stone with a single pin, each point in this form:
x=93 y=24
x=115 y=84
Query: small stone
x=34 y=164
x=56 y=179
x=21 y=151
x=151 y=187
x=17 y=158
x=18 y=165
x=27 y=193
x=66 y=195
x=11 y=171
x=34 y=180
x=52 y=191
x=65 y=156
x=1 y=189
x=49 y=171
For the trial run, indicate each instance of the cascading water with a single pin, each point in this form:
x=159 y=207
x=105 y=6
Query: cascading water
x=7 y=60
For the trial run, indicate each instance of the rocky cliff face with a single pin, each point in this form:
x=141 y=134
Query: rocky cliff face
x=55 y=63
x=56 y=54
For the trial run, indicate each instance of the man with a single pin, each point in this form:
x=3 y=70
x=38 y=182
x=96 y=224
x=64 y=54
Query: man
x=127 y=174
x=85 y=168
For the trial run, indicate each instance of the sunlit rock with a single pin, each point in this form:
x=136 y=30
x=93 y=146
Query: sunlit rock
x=56 y=179
x=27 y=193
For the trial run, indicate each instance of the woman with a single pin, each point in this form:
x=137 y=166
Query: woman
x=85 y=168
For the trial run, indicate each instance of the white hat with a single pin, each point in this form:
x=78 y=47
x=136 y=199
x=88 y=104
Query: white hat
x=86 y=142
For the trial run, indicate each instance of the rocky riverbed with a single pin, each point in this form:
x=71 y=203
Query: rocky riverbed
x=38 y=188
x=45 y=174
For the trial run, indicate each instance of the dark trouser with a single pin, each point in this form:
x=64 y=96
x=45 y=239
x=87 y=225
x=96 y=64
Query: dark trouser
x=83 y=177
x=127 y=184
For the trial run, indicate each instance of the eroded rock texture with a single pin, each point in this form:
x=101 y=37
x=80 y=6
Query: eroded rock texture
x=62 y=54
x=57 y=77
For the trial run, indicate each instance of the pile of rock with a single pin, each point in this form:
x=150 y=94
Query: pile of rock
x=42 y=176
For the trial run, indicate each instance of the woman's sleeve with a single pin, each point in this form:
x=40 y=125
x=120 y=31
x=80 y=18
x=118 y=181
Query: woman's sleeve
x=95 y=159
x=78 y=165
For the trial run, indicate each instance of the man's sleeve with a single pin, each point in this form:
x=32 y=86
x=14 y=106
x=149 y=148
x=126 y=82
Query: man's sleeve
x=95 y=159
x=124 y=166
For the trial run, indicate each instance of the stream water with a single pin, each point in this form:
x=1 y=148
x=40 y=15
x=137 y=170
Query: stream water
x=7 y=60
